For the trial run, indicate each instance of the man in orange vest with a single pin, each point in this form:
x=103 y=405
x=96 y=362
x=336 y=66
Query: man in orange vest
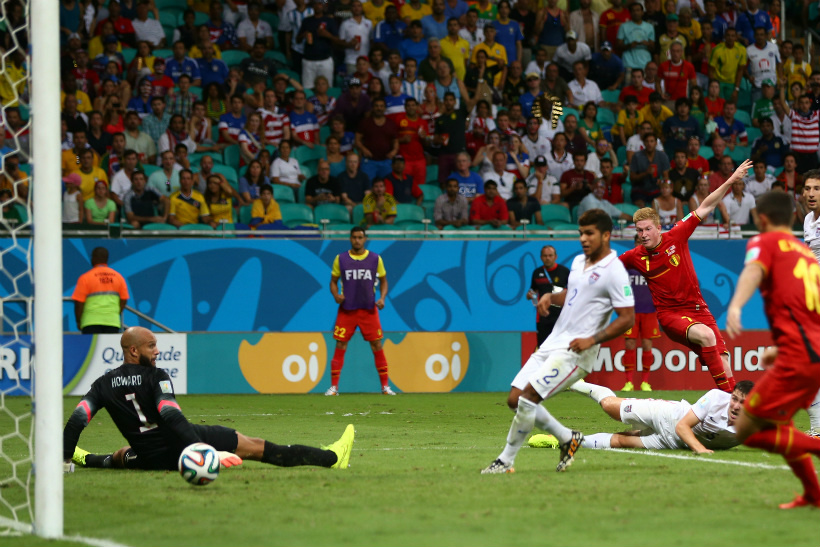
x=100 y=296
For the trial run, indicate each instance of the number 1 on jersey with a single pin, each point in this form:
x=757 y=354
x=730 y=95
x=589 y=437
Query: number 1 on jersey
x=147 y=426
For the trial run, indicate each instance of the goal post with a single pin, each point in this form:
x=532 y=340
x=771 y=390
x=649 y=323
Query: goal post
x=44 y=28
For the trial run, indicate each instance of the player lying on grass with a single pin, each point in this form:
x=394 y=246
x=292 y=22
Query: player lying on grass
x=706 y=426
x=140 y=399
x=598 y=285
x=664 y=261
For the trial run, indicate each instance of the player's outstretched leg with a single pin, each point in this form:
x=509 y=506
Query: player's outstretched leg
x=337 y=455
x=593 y=391
x=85 y=458
x=709 y=355
x=521 y=426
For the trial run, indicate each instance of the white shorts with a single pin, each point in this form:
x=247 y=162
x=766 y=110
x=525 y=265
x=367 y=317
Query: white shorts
x=658 y=418
x=550 y=372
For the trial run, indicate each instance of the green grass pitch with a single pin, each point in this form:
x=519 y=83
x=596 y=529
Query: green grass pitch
x=414 y=481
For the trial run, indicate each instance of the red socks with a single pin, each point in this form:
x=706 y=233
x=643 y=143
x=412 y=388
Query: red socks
x=646 y=363
x=796 y=447
x=336 y=365
x=381 y=366
x=711 y=358
x=629 y=361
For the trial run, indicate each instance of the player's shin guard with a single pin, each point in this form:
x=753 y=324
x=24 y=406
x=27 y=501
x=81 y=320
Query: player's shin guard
x=647 y=359
x=630 y=362
x=296 y=454
x=521 y=427
x=785 y=440
x=336 y=365
x=711 y=358
x=381 y=367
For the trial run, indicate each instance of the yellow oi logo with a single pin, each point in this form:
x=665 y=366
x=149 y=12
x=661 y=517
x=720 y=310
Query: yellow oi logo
x=284 y=362
x=428 y=361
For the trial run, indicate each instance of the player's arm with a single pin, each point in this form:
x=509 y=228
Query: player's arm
x=381 y=274
x=710 y=202
x=335 y=274
x=551 y=299
x=79 y=419
x=171 y=414
x=748 y=282
x=683 y=429
x=624 y=322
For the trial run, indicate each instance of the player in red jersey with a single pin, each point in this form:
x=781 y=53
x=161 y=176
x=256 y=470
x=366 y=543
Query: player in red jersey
x=412 y=129
x=665 y=263
x=789 y=279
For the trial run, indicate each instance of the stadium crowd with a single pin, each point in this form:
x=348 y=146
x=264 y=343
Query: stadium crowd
x=287 y=112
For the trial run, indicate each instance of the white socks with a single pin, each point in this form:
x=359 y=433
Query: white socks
x=814 y=413
x=599 y=393
x=521 y=427
x=545 y=421
x=597 y=441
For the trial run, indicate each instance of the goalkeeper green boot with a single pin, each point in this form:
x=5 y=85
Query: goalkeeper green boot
x=342 y=448
x=79 y=456
x=542 y=440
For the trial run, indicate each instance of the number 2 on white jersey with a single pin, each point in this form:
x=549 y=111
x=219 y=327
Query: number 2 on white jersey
x=571 y=298
x=147 y=426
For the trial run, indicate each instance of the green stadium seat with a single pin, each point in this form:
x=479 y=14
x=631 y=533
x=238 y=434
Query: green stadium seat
x=226 y=227
x=291 y=74
x=335 y=213
x=620 y=153
x=173 y=4
x=739 y=154
x=334 y=92
x=168 y=18
x=753 y=133
x=169 y=32
x=358 y=214
x=743 y=117
x=270 y=18
x=164 y=53
x=406 y=212
x=566 y=226
x=229 y=172
x=706 y=152
x=430 y=192
x=415 y=227
x=150 y=168
x=296 y=214
x=610 y=96
x=568 y=111
x=605 y=117
x=469 y=231
x=233 y=57
x=490 y=231
x=128 y=55
x=304 y=154
x=627 y=208
x=230 y=155
x=324 y=133
x=277 y=56
x=283 y=194
x=554 y=212
x=196 y=228
x=159 y=226
x=432 y=173
x=245 y=214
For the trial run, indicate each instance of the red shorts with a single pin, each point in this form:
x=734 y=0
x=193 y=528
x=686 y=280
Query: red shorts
x=366 y=320
x=676 y=324
x=645 y=327
x=783 y=390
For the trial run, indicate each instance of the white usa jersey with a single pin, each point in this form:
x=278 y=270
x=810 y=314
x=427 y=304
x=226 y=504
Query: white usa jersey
x=714 y=431
x=592 y=294
x=811 y=234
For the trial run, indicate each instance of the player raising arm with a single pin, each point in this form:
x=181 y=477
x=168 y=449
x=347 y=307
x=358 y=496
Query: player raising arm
x=140 y=399
x=789 y=280
x=664 y=261
x=598 y=284
x=706 y=426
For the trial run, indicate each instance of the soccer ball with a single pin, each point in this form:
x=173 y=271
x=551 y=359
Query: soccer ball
x=199 y=464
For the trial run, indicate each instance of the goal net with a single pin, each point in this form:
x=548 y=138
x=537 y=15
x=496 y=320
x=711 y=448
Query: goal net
x=31 y=483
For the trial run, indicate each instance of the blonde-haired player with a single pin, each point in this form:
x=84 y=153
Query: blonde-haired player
x=663 y=260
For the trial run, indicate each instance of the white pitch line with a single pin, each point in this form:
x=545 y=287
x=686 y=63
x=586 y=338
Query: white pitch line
x=27 y=528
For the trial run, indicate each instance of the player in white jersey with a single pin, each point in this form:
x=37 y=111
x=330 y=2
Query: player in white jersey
x=811 y=236
x=704 y=427
x=598 y=284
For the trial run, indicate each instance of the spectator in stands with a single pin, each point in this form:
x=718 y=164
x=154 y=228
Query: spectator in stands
x=252 y=182
x=585 y=22
x=356 y=31
x=718 y=147
x=123 y=28
x=555 y=85
x=295 y=48
x=496 y=53
x=142 y=142
x=588 y=125
x=100 y=209
x=401 y=186
x=764 y=63
x=636 y=142
x=414 y=46
x=607 y=67
x=693 y=157
x=213 y=70
x=667 y=205
x=472 y=31
x=352 y=105
x=275 y=121
x=377 y=141
x=231 y=123
x=681 y=127
x=714 y=102
x=434 y=25
x=73 y=208
x=576 y=182
x=347 y=139
x=141 y=204
x=575 y=139
x=390 y=31
x=650 y=78
x=508 y=33
x=539 y=64
x=805 y=139
x=611 y=21
x=535 y=143
x=180 y=63
x=792 y=180
x=647 y=167
x=796 y=69
x=768 y=147
x=636 y=38
x=265 y=209
x=671 y=36
x=320 y=33
x=613 y=182
x=375 y=10
x=741 y=206
x=528 y=98
x=570 y=53
x=603 y=150
x=251 y=139
x=655 y=113
x=449 y=135
x=456 y=49
x=188 y=206
x=163 y=84
x=285 y=170
x=489 y=207
x=470 y=184
x=75 y=120
x=677 y=75
x=223 y=33
x=582 y=89
x=760 y=181
x=121 y=180
x=764 y=107
x=165 y=181
x=99 y=140
x=70 y=159
x=379 y=207
x=636 y=89
x=219 y=197
x=560 y=159
x=83 y=103
x=451 y=208
x=412 y=133
x=175 y=135
x=149 y=30
x=541 y=184
x=551 y=24
x=596 y=200
x=718 y=177
x=731 y=130
x=141 y=104
x=203 y=39
x=727 y=65
x=500 y=176
x=682 y=177
x=354 y=184
x=253 y=30
x=518 y=162
x=522 y=206
x=628 y=121
x=14 y=179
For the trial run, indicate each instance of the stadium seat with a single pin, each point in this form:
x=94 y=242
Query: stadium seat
x=537 y=228
x=168 y=18
x=568 y=111
x=469 y=231
x=300 y=194
x=196 y=228
x=753 y=133
x=283 y=194
x=358 y=214
x=627 y=208
x=778 y=171
x=128 y=55
x=277 y=56
x=169 y=31
x=233 y=57
x=566 y=227
x=432 y=173
x=334 y=92
x=430 y=192
x=610 y=96
x=172 y=4
x=150 y=168
x=229 y=172
x=230 y=155
x=743 y=117
x=245 y=214
x=335 y=213
x=304 y=154
x=814 y=12
x=377 y=232
x=620 y=153
x=296 y=214
x=415 y=227
x=343 y=228
x=739 y=154
x=706 y=152
x=324 y=133
x=159 y=226
x=406 y=212
x=605 y=117
x=199 y=18
x=552 y=211
x=490 y=231
x=291 y=74
x=164 y=53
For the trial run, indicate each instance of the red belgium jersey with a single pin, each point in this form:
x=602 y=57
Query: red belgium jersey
x=413 y=150
x=791 y=294
x=668 y=268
